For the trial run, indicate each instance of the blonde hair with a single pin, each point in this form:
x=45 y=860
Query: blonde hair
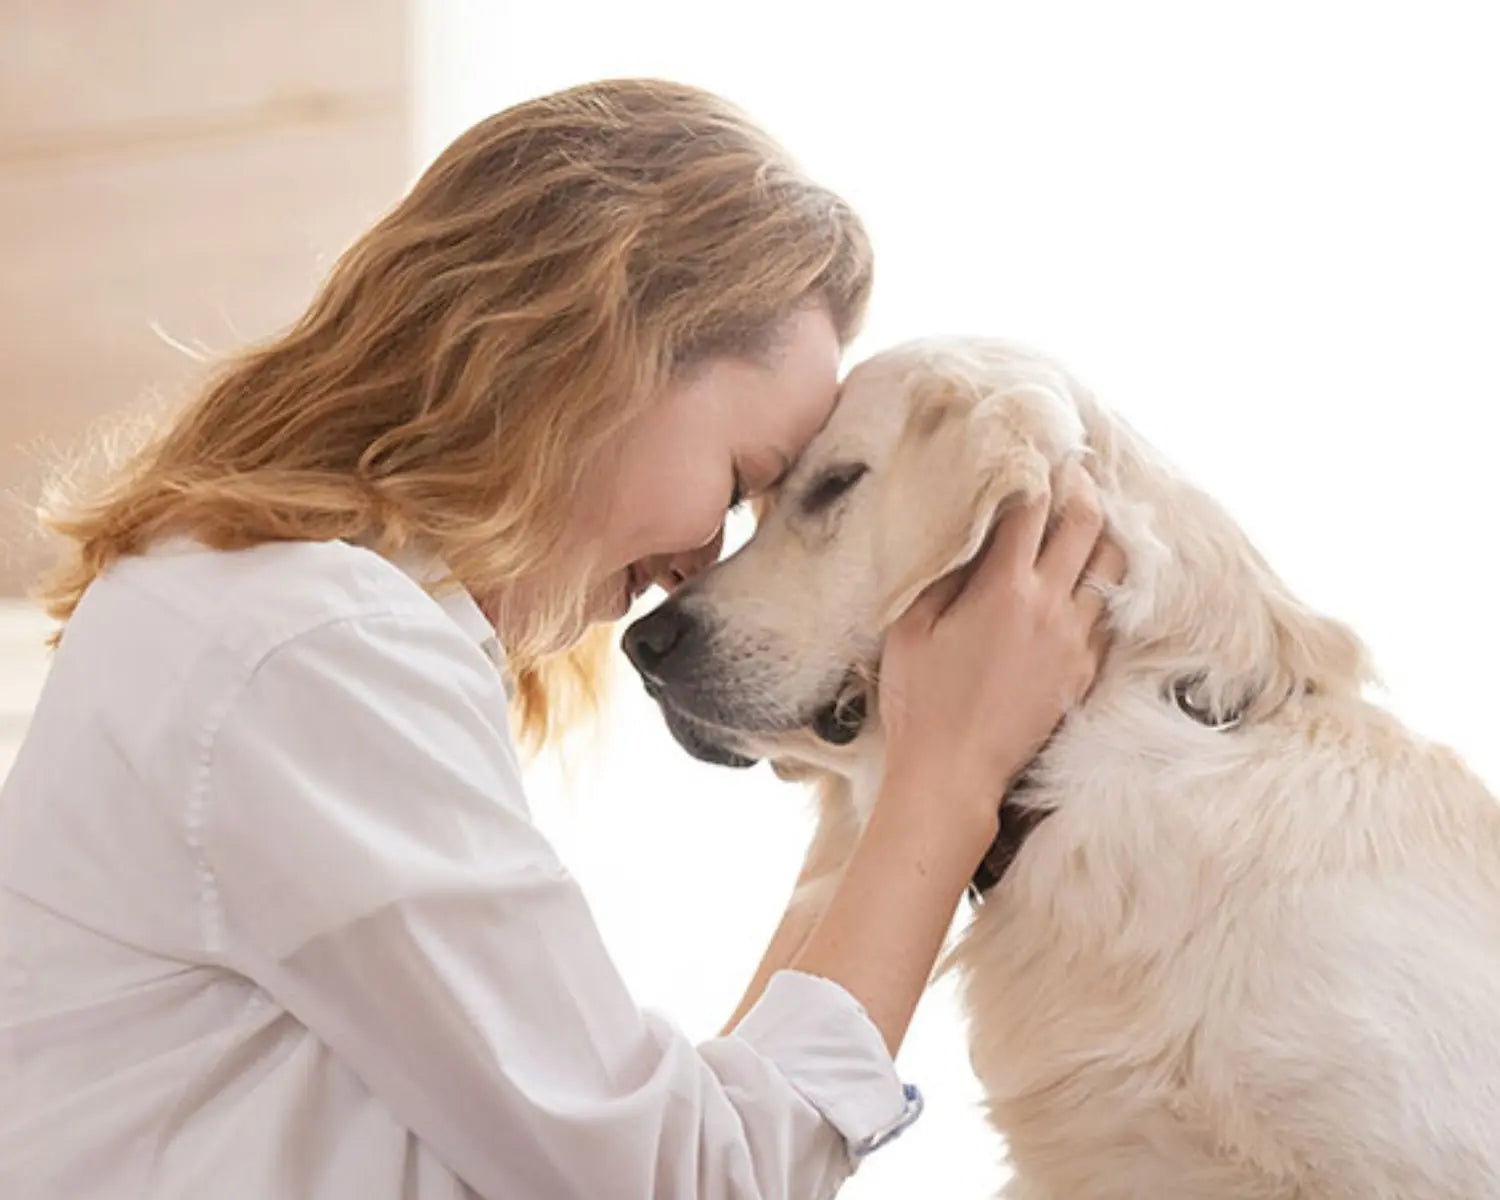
x=470 y=355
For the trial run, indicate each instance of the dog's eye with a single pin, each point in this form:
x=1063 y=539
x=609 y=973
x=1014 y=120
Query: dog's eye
x=831 y=485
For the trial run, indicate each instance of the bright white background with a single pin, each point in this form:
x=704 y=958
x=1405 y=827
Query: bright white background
x=1266 y=233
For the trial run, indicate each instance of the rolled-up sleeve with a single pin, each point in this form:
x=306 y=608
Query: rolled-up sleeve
x=369 y=860
x=831 y=1052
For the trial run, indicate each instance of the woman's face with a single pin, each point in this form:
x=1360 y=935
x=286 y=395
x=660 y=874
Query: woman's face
x=654 y=512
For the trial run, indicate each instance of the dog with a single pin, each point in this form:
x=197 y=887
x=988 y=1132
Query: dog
x=1240 y=935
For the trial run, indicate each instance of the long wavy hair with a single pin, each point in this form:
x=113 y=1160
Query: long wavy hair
x=468 y=358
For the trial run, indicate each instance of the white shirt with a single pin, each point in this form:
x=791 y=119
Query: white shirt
x=276 y=922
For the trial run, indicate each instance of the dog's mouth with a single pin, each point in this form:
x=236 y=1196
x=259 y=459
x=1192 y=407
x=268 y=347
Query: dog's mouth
x=837 y=723
x=702 y=740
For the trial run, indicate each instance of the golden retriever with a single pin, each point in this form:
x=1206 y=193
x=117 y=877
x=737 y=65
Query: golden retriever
x=1243 y=934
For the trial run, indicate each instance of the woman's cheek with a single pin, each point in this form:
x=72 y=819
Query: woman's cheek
x=707 y=531
x=675 y=505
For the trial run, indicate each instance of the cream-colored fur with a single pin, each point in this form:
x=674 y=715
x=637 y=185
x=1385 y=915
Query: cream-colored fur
x=1245 y=964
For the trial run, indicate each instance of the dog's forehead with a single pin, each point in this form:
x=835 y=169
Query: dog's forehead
x=882 y=380
x=872 y=410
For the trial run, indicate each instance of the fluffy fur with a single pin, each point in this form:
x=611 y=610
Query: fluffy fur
x=1261 y=963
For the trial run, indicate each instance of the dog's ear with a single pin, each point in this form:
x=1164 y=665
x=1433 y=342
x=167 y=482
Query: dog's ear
x=1311 y=652
x=972 y=449
x=1284 y=650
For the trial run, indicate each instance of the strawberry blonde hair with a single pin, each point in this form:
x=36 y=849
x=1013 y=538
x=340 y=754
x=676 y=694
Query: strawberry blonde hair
x=468 y=358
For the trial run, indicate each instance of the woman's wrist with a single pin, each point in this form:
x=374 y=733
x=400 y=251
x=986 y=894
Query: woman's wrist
x=942 y=806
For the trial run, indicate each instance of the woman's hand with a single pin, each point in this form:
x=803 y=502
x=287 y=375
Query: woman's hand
x=979 y=671
x=975 y=678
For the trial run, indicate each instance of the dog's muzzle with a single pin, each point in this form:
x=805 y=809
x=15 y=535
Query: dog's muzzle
x=669 y=647
x=700 y=740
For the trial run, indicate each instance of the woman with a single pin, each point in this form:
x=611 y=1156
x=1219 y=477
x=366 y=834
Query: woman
x=277 y=920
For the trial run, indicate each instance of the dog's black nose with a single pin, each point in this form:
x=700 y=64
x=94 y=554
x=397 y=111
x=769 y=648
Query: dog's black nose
x=657 y=638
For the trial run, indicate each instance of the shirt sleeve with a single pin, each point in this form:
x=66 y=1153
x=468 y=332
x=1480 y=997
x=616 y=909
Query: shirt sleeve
x=370 y=861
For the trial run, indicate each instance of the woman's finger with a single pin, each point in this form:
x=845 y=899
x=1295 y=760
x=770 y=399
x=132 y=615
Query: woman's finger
x=933 y=601
x=1101 y=574
x=1012 y=547
x=1079 y=525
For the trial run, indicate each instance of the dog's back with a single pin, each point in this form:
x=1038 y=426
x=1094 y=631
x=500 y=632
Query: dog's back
x=1254 y=948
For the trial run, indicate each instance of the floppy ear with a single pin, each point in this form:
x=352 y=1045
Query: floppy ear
x=1284 y=650
x=971 y=450
x=1310 y=653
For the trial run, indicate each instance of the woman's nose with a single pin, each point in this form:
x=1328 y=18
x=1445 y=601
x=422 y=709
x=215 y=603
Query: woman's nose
x=677 y=569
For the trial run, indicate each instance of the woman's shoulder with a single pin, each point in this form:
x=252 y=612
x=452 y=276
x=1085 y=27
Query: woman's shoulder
x=242 y=603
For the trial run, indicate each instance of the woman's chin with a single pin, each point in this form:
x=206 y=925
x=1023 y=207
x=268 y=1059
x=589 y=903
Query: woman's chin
x=614 y=609
x=611 y=599
x=607 y=603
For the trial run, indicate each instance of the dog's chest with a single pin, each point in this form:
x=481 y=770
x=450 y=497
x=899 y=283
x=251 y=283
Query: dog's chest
x=1085 y=968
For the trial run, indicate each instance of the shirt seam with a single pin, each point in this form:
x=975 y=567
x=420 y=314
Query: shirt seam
x=212 y=922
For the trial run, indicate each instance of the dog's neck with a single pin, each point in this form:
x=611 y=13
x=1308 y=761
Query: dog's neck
x=1200 y=608
x=1200 y=619
x=855 y=777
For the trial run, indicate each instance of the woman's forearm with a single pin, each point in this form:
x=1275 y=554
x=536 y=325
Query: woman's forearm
x=791 y=935
x=832 y=843
x=885 y=923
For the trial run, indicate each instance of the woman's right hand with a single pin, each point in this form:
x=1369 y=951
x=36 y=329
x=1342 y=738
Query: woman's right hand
x=979 y=671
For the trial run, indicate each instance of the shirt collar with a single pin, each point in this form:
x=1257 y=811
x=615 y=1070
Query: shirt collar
x=432 y=574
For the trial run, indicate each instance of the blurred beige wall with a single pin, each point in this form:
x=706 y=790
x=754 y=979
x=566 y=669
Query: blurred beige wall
x=190 y=166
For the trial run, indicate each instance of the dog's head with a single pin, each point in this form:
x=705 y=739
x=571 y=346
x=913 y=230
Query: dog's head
x=773 y=652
